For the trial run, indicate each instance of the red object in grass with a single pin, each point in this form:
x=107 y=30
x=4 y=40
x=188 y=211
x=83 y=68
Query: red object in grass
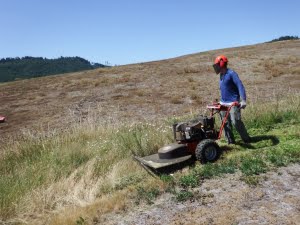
x=2 y=119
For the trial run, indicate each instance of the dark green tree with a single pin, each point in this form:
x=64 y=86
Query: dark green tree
x=29 y=67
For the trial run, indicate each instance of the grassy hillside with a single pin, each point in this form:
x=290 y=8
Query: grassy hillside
x=88 y=170
x=66 y=150
x=146 y=91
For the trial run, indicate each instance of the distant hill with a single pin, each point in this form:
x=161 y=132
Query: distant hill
x=28 y=67
x=285 y=38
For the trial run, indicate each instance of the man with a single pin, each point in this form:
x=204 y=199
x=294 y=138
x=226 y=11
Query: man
x=232 y=90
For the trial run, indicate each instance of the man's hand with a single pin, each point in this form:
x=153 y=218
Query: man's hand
x=243 y=104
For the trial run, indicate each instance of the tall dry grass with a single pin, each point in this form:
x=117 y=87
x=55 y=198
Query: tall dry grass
x=90 y=167
x=49 y=171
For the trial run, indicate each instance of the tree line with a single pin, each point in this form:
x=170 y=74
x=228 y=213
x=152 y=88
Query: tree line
x=28 y=67
x=285 y=38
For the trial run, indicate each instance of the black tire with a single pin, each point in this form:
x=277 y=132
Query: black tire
x=207 y=151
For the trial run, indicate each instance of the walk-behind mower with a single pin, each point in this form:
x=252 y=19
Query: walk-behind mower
x=195 y=140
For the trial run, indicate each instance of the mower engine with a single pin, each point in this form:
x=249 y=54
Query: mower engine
x=199 y=129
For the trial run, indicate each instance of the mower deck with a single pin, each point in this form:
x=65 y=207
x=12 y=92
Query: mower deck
x=168 y=157
x=155 y=162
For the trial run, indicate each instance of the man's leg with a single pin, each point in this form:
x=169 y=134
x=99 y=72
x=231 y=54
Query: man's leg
x=235 y=115
x=227 y=128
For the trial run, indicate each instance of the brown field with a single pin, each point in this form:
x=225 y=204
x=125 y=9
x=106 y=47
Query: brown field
x=146 y=91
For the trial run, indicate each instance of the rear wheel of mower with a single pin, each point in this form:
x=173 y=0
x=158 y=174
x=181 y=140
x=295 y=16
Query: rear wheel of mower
x=207 y=151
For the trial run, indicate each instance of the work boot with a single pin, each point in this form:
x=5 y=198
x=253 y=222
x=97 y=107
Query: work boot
x=247 y=141
x=230 y=139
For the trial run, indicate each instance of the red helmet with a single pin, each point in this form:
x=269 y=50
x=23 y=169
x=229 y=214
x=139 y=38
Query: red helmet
x=221 y=60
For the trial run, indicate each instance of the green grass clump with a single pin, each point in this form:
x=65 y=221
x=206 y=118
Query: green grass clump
x=147 y=195
x=184 y=195
x=251 y=180
x=189 y=181
x=210 y=170
x=253 y=165
x=126 y=181
x=167 y=178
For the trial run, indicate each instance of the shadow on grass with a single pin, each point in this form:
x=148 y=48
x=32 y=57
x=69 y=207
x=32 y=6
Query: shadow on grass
x=226 y=148
x=171 y=169
x=259 y=138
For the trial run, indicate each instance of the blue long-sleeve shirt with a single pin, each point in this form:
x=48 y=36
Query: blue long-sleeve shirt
x=231 y=87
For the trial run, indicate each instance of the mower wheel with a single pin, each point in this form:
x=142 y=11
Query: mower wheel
x=207 y=151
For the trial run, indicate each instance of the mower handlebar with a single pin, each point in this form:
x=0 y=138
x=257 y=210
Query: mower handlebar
x=217 y=106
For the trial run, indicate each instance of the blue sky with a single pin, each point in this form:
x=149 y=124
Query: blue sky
x=123 y=32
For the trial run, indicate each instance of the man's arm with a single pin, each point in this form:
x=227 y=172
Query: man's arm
x=240 y=86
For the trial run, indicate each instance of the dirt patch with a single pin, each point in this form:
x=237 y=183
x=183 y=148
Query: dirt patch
x=226 y=200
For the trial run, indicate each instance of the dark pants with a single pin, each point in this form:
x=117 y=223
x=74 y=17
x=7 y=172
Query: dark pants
x=234 y=118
